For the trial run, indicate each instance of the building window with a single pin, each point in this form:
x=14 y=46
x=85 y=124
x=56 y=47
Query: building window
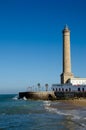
x=56 y=89
x=69 y=89
x=53 y=89
x=66 y=90
x=79 y=89
x=83 y=89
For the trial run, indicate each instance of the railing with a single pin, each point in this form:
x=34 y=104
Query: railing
x=37 y=89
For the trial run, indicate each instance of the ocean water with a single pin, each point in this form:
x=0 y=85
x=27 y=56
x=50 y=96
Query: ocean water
x=25 y=114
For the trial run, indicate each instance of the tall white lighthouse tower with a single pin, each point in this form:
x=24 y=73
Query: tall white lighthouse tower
x=66 y=74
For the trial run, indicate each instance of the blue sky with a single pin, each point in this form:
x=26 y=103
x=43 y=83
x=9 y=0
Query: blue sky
x=31 y=41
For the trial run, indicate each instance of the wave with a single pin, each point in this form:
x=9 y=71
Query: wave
x=15 y=97
x=47 y=103
x=47 y=106
x=73 y=115
x=24 y=98
x=55 y=110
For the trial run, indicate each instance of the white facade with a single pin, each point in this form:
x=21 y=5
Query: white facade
x=77 y=81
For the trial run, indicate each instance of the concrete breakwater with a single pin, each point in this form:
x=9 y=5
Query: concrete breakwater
x=51 y=95
x=42 y=95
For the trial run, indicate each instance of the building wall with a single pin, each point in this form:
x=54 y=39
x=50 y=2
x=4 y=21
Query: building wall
x=77 y=81
x=69 y=88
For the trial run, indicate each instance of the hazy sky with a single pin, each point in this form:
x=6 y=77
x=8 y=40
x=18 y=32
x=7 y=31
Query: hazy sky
x=31 y=41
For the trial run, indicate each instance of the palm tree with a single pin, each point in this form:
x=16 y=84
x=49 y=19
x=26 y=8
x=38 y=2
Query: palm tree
x=39 y=86
x=46 y=85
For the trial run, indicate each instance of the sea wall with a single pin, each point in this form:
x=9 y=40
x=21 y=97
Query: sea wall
x=51 y=95
x=42 y=95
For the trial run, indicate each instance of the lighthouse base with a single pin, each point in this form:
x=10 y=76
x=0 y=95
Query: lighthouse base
x=65 y=77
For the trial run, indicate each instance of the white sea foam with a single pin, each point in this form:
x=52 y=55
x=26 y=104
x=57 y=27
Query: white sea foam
x=47 y=103
x=24 y=98
x=71 y=113
x=15 y=98
x=76 y=117
x=82 y=124
x=55 y=110
x=51 y=109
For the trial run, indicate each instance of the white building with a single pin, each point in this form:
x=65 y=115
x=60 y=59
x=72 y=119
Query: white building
x=68 y=88
x=77 y=81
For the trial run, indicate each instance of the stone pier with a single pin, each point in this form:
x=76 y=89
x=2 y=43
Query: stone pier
x=42 y=95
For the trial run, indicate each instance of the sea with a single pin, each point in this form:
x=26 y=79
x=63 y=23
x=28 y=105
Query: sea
x=23 y=114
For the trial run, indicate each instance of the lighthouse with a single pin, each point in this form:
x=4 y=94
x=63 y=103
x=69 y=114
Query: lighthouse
x=66 y=74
